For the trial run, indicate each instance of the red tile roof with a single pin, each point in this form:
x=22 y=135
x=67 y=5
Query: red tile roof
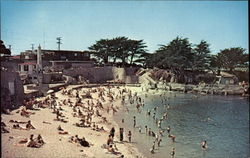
x=15 y=57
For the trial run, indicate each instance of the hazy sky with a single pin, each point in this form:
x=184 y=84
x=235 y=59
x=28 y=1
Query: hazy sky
x=223 y=24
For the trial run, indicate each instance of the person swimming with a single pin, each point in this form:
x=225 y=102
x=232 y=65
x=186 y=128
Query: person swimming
x=139 y=129
x=168 y=129
x=173 y=152
x=204 y=144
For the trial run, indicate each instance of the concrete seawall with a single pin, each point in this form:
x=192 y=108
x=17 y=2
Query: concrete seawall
x=103 y=74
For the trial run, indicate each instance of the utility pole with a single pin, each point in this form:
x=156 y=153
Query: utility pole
x=59 y=42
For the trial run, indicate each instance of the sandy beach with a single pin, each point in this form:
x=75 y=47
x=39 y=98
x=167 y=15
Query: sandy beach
x=58 y=145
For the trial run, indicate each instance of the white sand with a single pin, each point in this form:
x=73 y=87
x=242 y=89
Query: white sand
x=57 y=145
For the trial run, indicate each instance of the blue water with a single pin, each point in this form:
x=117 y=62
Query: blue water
x=221 y=120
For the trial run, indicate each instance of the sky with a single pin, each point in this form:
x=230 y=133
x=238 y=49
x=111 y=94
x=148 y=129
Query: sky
x=223 y=24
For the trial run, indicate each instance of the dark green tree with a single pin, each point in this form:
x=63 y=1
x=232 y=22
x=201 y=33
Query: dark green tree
x=136 y=50
x=102 y=50
x=201 y=58
x=177 y=54
x=231 y=58
x=120 y=48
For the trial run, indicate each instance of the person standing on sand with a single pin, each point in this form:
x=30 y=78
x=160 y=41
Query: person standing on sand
x=112 y=132
x=121 y=134
x=134 y=122
x=129 y=136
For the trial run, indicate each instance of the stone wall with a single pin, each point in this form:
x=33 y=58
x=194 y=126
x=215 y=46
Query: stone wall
x=102 y=74
x=12 y=92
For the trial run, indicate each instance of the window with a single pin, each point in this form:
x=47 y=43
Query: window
x=19 y=67
x=26 y=68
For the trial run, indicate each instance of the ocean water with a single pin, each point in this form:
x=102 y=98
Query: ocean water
x=221 y=120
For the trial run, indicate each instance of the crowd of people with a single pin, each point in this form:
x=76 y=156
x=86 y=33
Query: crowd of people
x=90 y=112
x=138 y=102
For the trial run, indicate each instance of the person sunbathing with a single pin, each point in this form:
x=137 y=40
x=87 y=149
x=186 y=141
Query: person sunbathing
x=104 y=119
x=112 y=150
x=46 y=122
x=82 y=124
x=84 y=143
x=74 y=109
x=71 y=139
x=76 y=139
x=17 y=126
x=18 y=121
x=110 y=140
x=99 y=129
x=4 y=130
x=59 y=128
x=23 y=141
x=3 y=124
x=32 y=143
x=29 y=125
x=24 y=113
x=80 y=113
x=40 y=139
x=63 y=132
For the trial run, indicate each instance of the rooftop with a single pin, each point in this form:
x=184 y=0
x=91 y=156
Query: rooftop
x=28 y=63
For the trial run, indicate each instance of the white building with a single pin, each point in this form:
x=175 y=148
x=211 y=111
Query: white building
x=27 y=68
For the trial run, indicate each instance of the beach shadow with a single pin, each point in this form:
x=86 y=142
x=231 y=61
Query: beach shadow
x=119 y=142
x=35 y=109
